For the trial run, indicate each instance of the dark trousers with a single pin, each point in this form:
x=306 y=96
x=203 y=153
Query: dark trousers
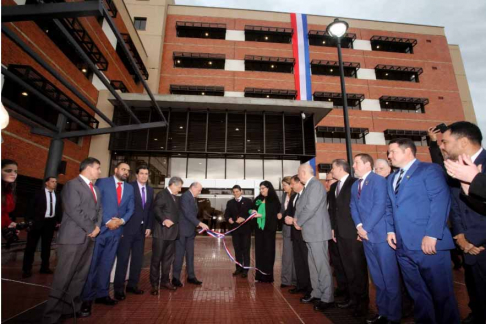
x=429 y=281
x=133 y=244
x=70 y=275
x=301 y=261
x=184 y=246
x=264 y=254
x=475 y=277
x=355 y=269
x=45 y=233
x=104 y=254
x=242 y=246
x=162 y=258
x=337 y=264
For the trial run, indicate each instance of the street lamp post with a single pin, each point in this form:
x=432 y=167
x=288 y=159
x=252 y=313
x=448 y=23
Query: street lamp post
x=337 y=29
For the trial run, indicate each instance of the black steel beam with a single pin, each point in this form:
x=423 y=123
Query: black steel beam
x=46 y=66
x=52 y=11
x=43 y=98
x=101 y=131
x=22 y=111
x=120 y=40
x=94 y=68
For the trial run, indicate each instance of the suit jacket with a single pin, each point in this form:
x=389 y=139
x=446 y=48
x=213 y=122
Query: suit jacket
x=140 y=214
x=38 y=208
x=478 y=187
x=369 y=208
x=311 y=213
x=271 y=211
x=468 y=216
x=290 y=211
x=109 y=201
x=81 y=213
x=188 y=220
x=286 y=229
x=421 y=207
x=340 y=211
x=235 y=210
x=166 y=206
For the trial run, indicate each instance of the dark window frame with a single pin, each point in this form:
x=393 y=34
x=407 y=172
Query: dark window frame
x=270 y=93
x=270 y=64
x=140 y=23
x=337 y=135
x=403 y=104
x=420 y=138
x=398 y=73
x=392 y=44
x=354 y=99
x=187 y=60
x=323 y=39
x=331 y=68
x=190 y=29
x=266 y=34
x=197 y=90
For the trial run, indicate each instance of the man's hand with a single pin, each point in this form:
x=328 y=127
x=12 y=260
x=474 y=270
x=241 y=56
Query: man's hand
x=12 y=225
x=147 y=232
x=461 y=241
x=240 y=220
x=297 y=227
x=289 y=220
x=392 y=240
x=432 y=132
x=279 y=215
x=359 y=239
x=333 y=236
x=168 y=223
x=428 y=245
x=258 y=215
x=203 y=226
x=231 y=221
x=463 y=169
x=58 y=225
x=362 y=233
x=94 y=233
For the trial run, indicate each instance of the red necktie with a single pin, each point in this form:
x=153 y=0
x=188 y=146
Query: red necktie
x=93 y=191
x=119 y=192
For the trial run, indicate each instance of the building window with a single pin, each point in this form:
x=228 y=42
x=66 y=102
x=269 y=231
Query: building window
x=403 y=104
x=268 y=34
x=331 y=68
x=322 y=38
x=354 y=100
x=269 y=64
x=199 y=60
x=270 y=93
x=191 y=29
x=119 y=85
x=418 y=137
x=324 y=167
x=337 y=135
x=398 y=73
x=140 y=23
x=197 y=90
x=393 y=44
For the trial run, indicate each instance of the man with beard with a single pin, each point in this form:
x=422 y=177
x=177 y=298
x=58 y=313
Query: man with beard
x=118 y=203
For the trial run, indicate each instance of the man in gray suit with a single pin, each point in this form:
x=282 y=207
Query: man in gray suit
x=187 y=233
x=312 y=218
x=79 y=227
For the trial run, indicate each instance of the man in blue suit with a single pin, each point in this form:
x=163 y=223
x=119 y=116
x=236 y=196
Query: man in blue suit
x=133 y=239
x=118 y=205
x=368 y=201
x=417 y=208
x=187 y=233
x=468 y=214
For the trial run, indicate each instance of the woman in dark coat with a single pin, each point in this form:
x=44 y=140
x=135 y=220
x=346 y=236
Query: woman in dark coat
x=268 y=206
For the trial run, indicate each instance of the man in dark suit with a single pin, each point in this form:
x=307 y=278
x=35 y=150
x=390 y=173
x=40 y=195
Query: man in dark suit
x=468 y=211
x=187 y=233
x=417 y=209
x=75 y=243
x=166 y=231
x=118 y=203
x=46 y=213
x=236 y=212
x=132 y=241
x=344 y=234
x=473 y=182
x=368 y=201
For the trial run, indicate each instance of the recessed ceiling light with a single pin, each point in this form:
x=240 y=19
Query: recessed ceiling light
x=25 y=94
x=203 y=93
x=207 y=34
x=266 y=37
x=272 y=66
x=161 y=147
x=386 y=103
x=378 y=46
x=386 y=73
x=156 y=139
x=268 y=96
x=331 y=70
x=181 y=127
x=84 y=70
x=323 y=42
x=210 y=63
x=178 y=61
x=237 y=129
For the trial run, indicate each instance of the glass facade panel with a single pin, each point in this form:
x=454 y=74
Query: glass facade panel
x=253 y=169
x=196 y=168
x=235 y=169
x=178 y=167
x=290 y=167
x=273 y=172
x=215 y=169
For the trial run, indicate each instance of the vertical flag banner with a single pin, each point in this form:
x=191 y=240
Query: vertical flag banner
x=300 y=47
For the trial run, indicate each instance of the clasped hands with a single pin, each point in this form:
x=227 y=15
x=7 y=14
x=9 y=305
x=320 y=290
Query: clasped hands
x=114 y=223
x=466 y=246
x=239 y=220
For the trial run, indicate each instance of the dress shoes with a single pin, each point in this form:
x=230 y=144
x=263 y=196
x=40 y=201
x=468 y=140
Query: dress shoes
x=85 y=309
x=154 y=291
x=26 y=274
x=308 y=299
x=322 y=306
x=177 y=283
x=46 y=271
x=120 y=296
x=339 y=293
x=360 y=310
x=106 y=301
x=194 y=281
x=284 y=286
x=346 y=304
x=135 y=291
x=295 y=290
x=237 y=272
x=378 y=319
x=168 y=286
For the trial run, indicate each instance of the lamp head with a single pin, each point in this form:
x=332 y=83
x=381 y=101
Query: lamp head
x=337 y=28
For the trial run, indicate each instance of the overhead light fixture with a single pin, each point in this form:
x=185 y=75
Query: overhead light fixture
x=268 y=96
x=272 y=66
x=323 y=42
x=84 y=70
x=207 y=34
x=266 y=37
x=178 y=61
x=386 y=74
x=386 y=103
x=329 y=99
x=202 y=93
x=248 y=140
x=237 y=129
x=161 y=147
x=210 y=63
x=181 y=127
x=331 y=70
x=25 y=94
x=156 y=139
x=377 y=46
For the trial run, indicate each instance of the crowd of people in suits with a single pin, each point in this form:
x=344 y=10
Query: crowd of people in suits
x=394 y=225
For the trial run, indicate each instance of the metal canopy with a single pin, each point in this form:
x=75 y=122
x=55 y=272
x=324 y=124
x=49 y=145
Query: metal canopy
x=270 y=59
x=339 y=95
x=400 y=132
x=271 y=93
x=408 y=41
x=410 y=69
x=354 y=130
x=196 y=90
x=352 y=65
x=324 y=34
x=422 y=101
x=269 y=30
x=200 y=25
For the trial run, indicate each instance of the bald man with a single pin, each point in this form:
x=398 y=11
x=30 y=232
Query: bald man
x=382 y=167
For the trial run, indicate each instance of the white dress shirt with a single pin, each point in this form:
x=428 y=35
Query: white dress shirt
x=48 y=201
x=340 y=184
x=475 y=156
x=87 y=183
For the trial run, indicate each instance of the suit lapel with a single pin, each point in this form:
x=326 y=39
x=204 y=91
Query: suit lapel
x=407 y=176
x=481 y=159
x=390 y=180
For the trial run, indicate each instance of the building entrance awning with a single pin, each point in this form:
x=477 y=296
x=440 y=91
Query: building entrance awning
x=318 y=109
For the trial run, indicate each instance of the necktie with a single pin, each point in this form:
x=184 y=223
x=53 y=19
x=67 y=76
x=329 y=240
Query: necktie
x=398 y=181
x=360 y=181
x=338 y=189
x=50 y=197
x=296 y=199
x=173 y=197
x=119 y=192
x=143 y=197
x=92 y=190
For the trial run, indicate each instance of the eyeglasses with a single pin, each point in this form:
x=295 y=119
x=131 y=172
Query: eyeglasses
x=9 y=171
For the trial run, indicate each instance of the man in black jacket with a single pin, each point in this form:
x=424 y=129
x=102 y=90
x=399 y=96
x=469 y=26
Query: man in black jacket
x=133 y=239
x=236 y=212
x=46 y=215
x=345 y=235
